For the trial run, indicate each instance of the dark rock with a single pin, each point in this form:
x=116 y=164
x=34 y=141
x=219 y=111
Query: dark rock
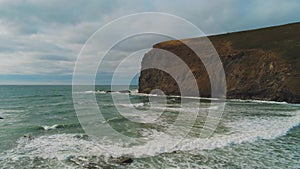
x=124 y=91
x=125 y=160
x=93 y=166
x=122 y=160
x=84 y=162
x=260 y=64
x=82 y=136
x=29 y=137
x=1 y=118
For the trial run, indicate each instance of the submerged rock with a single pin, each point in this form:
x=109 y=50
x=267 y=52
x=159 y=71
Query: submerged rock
x=121 y=160
x=29 y=137
x=125 y=160
x=84 y=162
x=124 y=91
x=1 y=118
x=82 y=136
x=99 y=162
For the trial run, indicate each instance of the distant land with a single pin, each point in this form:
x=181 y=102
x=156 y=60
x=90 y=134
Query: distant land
x=261 y=64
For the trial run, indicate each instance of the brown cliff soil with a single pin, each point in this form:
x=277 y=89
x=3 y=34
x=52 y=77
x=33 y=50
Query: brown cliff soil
x=259 y=64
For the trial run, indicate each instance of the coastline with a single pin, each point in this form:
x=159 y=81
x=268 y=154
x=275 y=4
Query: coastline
x=261 y=64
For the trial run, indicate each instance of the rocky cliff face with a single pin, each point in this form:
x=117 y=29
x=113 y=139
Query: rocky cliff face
x=259 y=64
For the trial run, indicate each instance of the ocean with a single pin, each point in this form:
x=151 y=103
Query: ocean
x=40 y=129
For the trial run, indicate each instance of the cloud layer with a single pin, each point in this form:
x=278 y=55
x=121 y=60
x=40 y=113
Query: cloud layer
x=40 y=39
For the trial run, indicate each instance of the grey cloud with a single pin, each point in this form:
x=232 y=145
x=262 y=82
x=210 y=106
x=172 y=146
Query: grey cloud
x=32 y=15
x=216 y=16
x=45 y=37
x=54 y=58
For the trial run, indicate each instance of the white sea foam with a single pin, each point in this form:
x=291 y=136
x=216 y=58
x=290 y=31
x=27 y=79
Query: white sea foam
x=93 y=92
x=154 y=111
x=135 y=92
x=133 y=105
x=257 y=101
x=174 y=96
x=88 y=92
x=58 y=146
x=247 y=130
x=180 y=108
x=104 y=92
x=100 y=91
x=140 y=116
x=55 y=126
x=244 y=130
x=214 y=99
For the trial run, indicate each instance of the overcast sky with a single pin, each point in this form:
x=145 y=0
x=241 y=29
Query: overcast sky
x=40 y=39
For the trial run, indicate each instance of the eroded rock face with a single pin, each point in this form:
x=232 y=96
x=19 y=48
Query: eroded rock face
x=259 y=64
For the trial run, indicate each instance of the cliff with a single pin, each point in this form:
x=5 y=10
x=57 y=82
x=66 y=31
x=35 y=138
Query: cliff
x=259 y=64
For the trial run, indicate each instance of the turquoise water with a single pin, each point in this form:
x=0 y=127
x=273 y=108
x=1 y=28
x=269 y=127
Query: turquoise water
x=40 y=129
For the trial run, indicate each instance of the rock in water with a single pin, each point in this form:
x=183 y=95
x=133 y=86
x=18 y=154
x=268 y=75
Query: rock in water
x=28 y=136
x=125 y=160
x=122 y=160
x=261 y=64
x=124 y=91
x=1 y=118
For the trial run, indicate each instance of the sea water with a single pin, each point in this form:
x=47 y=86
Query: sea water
x=41 y=129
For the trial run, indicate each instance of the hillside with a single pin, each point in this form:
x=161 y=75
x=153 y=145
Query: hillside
x=259 y=64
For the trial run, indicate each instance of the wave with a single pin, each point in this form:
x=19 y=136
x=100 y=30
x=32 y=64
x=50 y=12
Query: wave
x=246 y=130
x=133 y=105
x=135 y=92
x=41 y=95
x=212 y=99
x=56 y=126
x=115 y=119
x=105 y=92
x=177 y=108
x=11 y=111
x=257 y=101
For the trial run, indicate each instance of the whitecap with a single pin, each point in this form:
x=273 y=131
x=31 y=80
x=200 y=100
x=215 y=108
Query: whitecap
x=55 y=126
x=243 y=130
x=257 y=101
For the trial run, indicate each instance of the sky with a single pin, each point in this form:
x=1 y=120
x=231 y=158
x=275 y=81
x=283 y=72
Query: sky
x=40 y=39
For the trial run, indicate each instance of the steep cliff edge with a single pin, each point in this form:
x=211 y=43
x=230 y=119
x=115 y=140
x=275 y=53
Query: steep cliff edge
x=259 y=64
